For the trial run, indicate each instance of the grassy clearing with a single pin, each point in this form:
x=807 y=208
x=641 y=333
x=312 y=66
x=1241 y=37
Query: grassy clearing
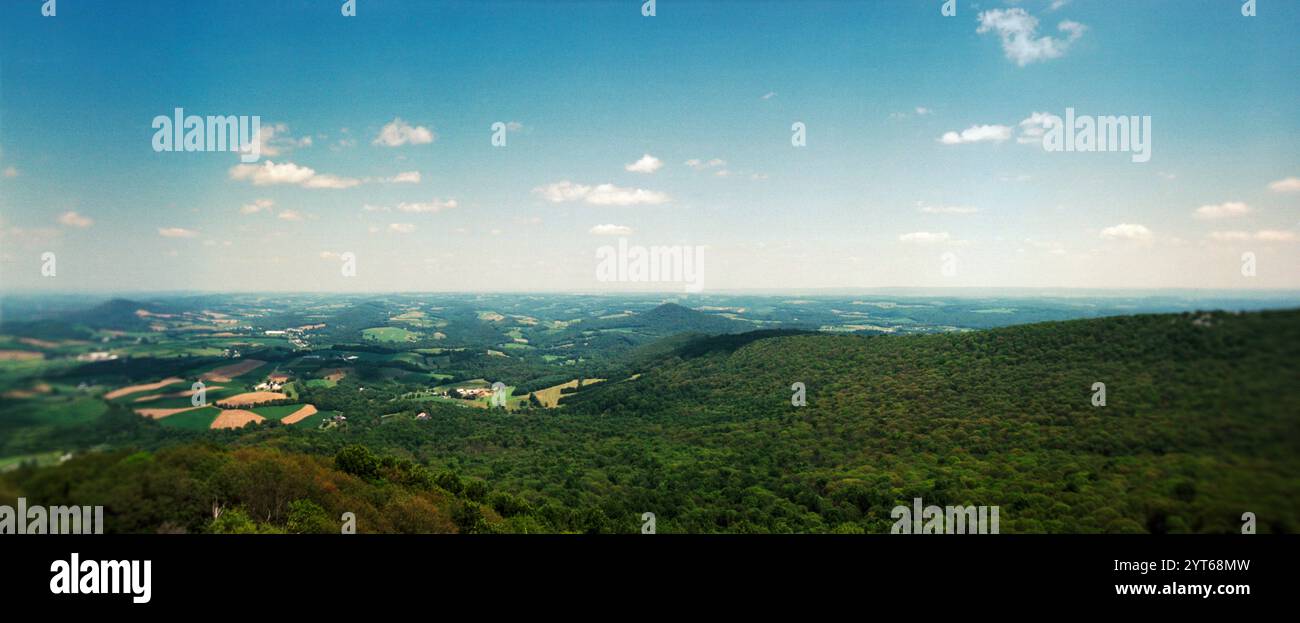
x=550 y=397
x=396 y=335
x=40 y=460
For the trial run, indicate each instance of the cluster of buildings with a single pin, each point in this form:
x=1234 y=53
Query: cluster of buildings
x=273 y=383
x=469 y=393
x=97 y=356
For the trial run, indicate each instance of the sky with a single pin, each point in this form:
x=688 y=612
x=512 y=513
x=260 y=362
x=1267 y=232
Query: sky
x=922 y=163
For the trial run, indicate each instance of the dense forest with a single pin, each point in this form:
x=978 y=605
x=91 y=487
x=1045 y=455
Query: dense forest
x=1200 y=425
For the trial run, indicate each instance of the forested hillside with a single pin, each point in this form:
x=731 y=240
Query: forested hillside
x=1201 y=424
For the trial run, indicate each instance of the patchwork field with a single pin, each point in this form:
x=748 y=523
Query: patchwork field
x=228 y=373
x=147 y=387
x=235 y=418
x=20 y=355
x=301 y=414
x=250 y=398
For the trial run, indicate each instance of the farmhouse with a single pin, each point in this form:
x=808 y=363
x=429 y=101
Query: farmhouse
x=97 y=356
x=471 y=393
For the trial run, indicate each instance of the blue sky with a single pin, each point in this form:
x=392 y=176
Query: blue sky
x=875 y=199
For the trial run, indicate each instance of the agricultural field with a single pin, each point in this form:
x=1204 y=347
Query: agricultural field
x=395 y=335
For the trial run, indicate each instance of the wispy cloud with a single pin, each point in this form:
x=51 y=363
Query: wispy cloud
x=1018 y=31
x=930 y=209
x=176 y=232
x=73 y=219
x=1033 y=127
x=274 y=139
x=611 y=230
x=701 y=165
x=1263 y=235
x=405 y=177
x=1286 y=185
x=429 y=207
x=925 y=237
x=259 y=205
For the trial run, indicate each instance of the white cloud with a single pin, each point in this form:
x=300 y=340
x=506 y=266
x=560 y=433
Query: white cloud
x=603 y=194
x=72 y=219
x=290 y=215
x=401 y=228
x=1287 y=185
x=1222 y=210
x=976 y=134
x=923 y=111
x=256 y=206
x=925 y=237
x=10 y=172
x=398 y=132
x=269 y=173
x=176 y=232
x=431 y=207
x=1126 y=231
x=611 y=230
x=1018 y=31
x=647 y=164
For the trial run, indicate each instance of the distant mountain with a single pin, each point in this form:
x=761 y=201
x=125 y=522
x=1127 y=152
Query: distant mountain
x=118 y=313
x=115 y=314
x=671 y=319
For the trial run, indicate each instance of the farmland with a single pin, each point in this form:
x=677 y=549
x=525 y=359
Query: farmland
x=586 y=379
